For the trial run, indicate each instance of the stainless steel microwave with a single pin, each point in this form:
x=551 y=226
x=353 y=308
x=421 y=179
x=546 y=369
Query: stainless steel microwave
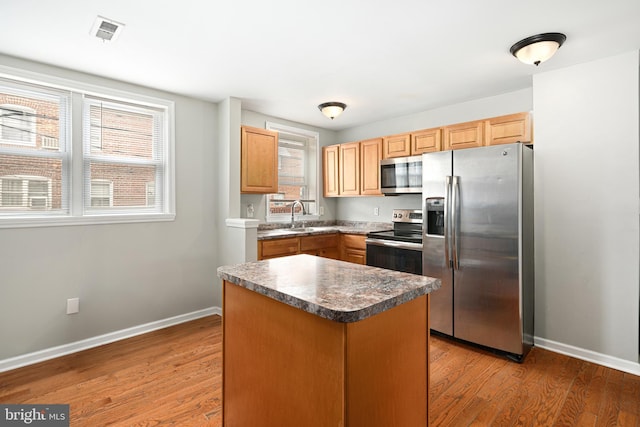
x=401 y=175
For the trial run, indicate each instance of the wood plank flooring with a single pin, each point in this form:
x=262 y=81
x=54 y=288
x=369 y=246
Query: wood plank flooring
x=172 y=377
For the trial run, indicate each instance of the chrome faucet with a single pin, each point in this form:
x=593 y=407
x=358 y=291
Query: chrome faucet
x=293 y=207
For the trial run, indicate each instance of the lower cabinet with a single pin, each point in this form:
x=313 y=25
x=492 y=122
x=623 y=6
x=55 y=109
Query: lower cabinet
x=346 y=247
x=323 y=245
x=353 y=248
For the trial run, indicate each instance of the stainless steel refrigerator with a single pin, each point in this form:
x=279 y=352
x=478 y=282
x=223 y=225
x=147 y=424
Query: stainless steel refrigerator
x=478 y=239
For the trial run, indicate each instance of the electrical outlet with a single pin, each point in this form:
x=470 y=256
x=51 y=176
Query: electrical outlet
x=73 y=305
x=321 y=210
x=250 y=210
x=376 y=211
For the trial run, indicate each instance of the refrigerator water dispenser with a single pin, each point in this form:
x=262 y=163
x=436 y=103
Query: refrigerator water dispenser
x=435 y=216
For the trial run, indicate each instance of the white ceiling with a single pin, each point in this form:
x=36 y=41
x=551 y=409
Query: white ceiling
x=284 y=57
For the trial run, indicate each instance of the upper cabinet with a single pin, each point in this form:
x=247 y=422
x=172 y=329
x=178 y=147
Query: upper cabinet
x=412 y=144
x=508 y=129
x=370 y=156
x=426 y=141
x=331 y=172
x=258 y=161
x=464 y=135
x=396 y=146
x=352 y=169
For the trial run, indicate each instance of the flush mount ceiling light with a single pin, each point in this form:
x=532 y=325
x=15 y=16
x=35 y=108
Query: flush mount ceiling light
x=538 y=48
x=332 y=109
x=106 y=29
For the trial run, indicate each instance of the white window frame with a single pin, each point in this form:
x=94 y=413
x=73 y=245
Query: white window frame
x=26 y=197
x=76 y=214
x=313 y=150
x=101 y=182
x=31 y=128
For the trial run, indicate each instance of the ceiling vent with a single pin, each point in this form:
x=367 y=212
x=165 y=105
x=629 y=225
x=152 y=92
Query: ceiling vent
x=106 y=29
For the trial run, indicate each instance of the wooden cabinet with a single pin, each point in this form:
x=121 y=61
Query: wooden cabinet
x=353 y=248
x=370 y=156
x=278 y=247
x=412 y=144
x=396 y=146
x=349 y=167
x=258 y=161
x=508 y=129
x=464 y=135
x=331 y=171
x=323 y=245
x=426 y=141
x=352 y=168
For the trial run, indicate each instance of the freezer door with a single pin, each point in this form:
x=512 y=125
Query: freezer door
x=487 y=292
x=436 y=167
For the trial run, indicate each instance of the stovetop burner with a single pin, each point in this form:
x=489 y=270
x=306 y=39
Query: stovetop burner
x=407 y=227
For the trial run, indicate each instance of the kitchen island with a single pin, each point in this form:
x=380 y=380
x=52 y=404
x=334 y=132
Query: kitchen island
x=310 y=341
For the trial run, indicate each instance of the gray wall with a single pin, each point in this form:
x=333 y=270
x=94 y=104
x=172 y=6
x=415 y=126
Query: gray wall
x=124 y=274
x=586 y=196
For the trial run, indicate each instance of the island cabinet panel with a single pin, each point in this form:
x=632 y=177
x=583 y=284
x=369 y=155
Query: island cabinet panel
x=281 y=366
x=286 y=367
x=385 y=358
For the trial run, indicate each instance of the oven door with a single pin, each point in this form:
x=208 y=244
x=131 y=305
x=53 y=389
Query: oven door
x=394 y=255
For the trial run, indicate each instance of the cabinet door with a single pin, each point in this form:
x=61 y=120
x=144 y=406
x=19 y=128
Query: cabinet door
x=396 y=146
x=426 y=141
x=323 y=245
x=370 y=155
x=464 y=135
x=259 y=161
x=508 y=129
x=278 y=247
x=349 y=166
x=330 y=170
x=353 y=248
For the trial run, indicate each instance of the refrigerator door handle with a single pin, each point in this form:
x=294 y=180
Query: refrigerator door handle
x=447 y=217
x=455 y=210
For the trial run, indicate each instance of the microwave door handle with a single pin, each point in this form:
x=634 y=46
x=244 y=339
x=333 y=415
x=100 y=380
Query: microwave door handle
x=455 y=210
x=447 y=217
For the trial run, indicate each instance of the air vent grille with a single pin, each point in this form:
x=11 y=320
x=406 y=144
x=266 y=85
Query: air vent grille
x=106 y=29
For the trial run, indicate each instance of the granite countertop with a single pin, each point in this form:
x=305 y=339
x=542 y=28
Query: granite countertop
x=279 y=233
x=335 y=290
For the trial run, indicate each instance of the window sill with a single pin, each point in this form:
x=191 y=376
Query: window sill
x=82 y=220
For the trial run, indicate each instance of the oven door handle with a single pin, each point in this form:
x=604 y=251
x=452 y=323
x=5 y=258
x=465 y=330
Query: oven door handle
x=393 y=244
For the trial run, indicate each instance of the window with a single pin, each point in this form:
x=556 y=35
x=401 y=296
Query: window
x=129 y=156
x=101 y=193
x=25 y=193
x=17 y=124
x=297 y=172
x=122 y=163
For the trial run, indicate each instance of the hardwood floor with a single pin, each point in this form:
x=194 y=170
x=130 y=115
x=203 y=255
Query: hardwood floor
x=172 y=377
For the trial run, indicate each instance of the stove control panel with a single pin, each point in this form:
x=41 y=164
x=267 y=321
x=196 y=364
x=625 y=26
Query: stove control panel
x=407 y=215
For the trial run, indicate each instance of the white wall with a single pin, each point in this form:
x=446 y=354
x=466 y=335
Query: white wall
x=362 y=208
x=587 y=187
x=124 y=274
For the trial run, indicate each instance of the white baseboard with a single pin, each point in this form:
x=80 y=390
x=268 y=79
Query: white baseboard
x=589 y=356
x=62 y=350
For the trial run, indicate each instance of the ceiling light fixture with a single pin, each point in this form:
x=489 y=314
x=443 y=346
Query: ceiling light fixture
x=538 y=48
x=332 y=109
